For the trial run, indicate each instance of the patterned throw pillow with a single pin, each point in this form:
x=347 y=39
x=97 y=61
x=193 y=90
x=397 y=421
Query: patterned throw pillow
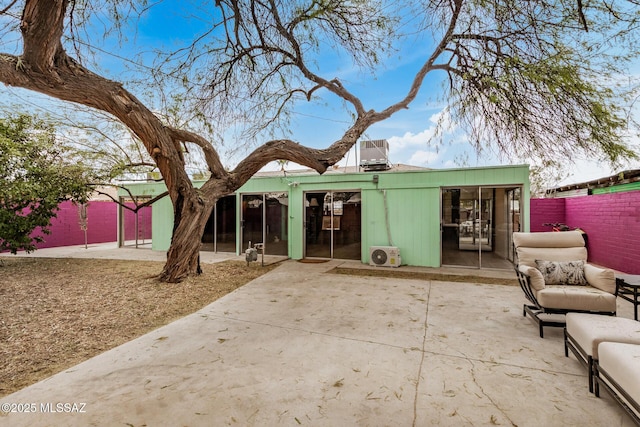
x=562 y=273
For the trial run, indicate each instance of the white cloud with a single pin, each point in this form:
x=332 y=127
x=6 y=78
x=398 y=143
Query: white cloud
x=409 y=139
x=424 y=158
x=425 y=147
x=423 y=138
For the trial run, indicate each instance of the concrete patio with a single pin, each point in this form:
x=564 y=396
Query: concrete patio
x=303 y=346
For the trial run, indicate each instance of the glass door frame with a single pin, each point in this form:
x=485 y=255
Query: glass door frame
x=243 y=219
x=323 y=216
x=514 y=223
x=314 y=220
x=273 y=246
x=509 y=203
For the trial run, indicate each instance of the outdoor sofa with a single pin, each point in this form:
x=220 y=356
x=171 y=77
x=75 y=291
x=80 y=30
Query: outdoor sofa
x=610 y=348
x=555 y=277
x=618 y=372
x=585 y=332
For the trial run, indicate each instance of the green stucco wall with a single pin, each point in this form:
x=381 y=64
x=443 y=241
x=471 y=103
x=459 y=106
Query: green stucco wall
x=412 y=205
x=161 y=211
x=414 y=223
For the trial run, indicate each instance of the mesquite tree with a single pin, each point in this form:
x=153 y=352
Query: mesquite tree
x=528 y=78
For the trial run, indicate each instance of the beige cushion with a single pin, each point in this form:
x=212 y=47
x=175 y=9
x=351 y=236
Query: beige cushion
x=537 y=281
x=622 y=362
x=583 y=298
x=562 y=239
x=528 y=256
x=562 y=247
x=549 y=246
x=589 y=330
x=601 y=278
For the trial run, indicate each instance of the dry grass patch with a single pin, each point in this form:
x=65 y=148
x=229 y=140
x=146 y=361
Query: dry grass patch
x=55 y=313
x=399 y=274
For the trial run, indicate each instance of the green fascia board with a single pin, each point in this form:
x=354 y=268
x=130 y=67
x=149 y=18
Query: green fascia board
x=620 y=188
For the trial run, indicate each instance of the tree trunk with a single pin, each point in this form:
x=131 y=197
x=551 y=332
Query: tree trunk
x=45 y=67
x=190 y=219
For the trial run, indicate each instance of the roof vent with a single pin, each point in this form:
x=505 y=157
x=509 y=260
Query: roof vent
x=374 y=155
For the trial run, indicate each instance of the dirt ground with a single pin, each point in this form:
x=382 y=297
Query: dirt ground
x=424 y=276
x=56 y=313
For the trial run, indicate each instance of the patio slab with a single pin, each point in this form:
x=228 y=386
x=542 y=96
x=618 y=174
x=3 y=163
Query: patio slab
x=302 y=346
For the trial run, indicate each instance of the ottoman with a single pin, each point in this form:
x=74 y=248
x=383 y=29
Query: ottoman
x=584 y=331
x=618 y=371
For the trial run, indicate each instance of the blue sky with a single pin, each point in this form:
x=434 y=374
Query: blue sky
x=408 y=132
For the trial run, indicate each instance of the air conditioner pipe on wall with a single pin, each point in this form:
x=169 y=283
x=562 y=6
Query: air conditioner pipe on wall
x=386 y=217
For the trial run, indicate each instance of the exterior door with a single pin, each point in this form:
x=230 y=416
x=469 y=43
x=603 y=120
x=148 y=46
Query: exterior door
x=220 y=232
x=477 y=224
x=252 y=220
x=265 y=220
x=333 y=224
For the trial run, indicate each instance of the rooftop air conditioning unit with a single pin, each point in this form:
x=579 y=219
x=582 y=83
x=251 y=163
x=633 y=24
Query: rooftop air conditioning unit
x=374 y=155
x=384 y=256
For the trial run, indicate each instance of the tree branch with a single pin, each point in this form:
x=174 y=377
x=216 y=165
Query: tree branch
x=581 y=17
x=42 y=26
x=138 y=205
x=284 y=149
x=424 y=70
x=210 y=154
x=6 y=9
x=67 y=80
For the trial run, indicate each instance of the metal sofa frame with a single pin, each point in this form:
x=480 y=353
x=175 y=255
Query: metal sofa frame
x=535 y=310
x=618 y=393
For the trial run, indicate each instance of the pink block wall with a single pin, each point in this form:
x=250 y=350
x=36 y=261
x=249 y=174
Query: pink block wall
x=144 y=224
x=611 y=221
x=102 y=225
x=545 y=211
x=65 y=228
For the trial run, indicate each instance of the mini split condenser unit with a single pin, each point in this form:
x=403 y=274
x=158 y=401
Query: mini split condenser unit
x=384 y=256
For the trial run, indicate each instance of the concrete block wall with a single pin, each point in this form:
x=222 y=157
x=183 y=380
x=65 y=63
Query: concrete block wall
x=102 y=225
x=545 y=211
x=65 y=228
x=144 y=224
x=611 y=221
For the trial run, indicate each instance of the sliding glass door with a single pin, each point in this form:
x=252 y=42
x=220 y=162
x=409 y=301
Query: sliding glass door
x=220 y=232
x=265 y=220
x=477 y=224
x=333 y=224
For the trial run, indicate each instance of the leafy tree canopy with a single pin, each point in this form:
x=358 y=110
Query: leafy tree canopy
x=36 y=174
